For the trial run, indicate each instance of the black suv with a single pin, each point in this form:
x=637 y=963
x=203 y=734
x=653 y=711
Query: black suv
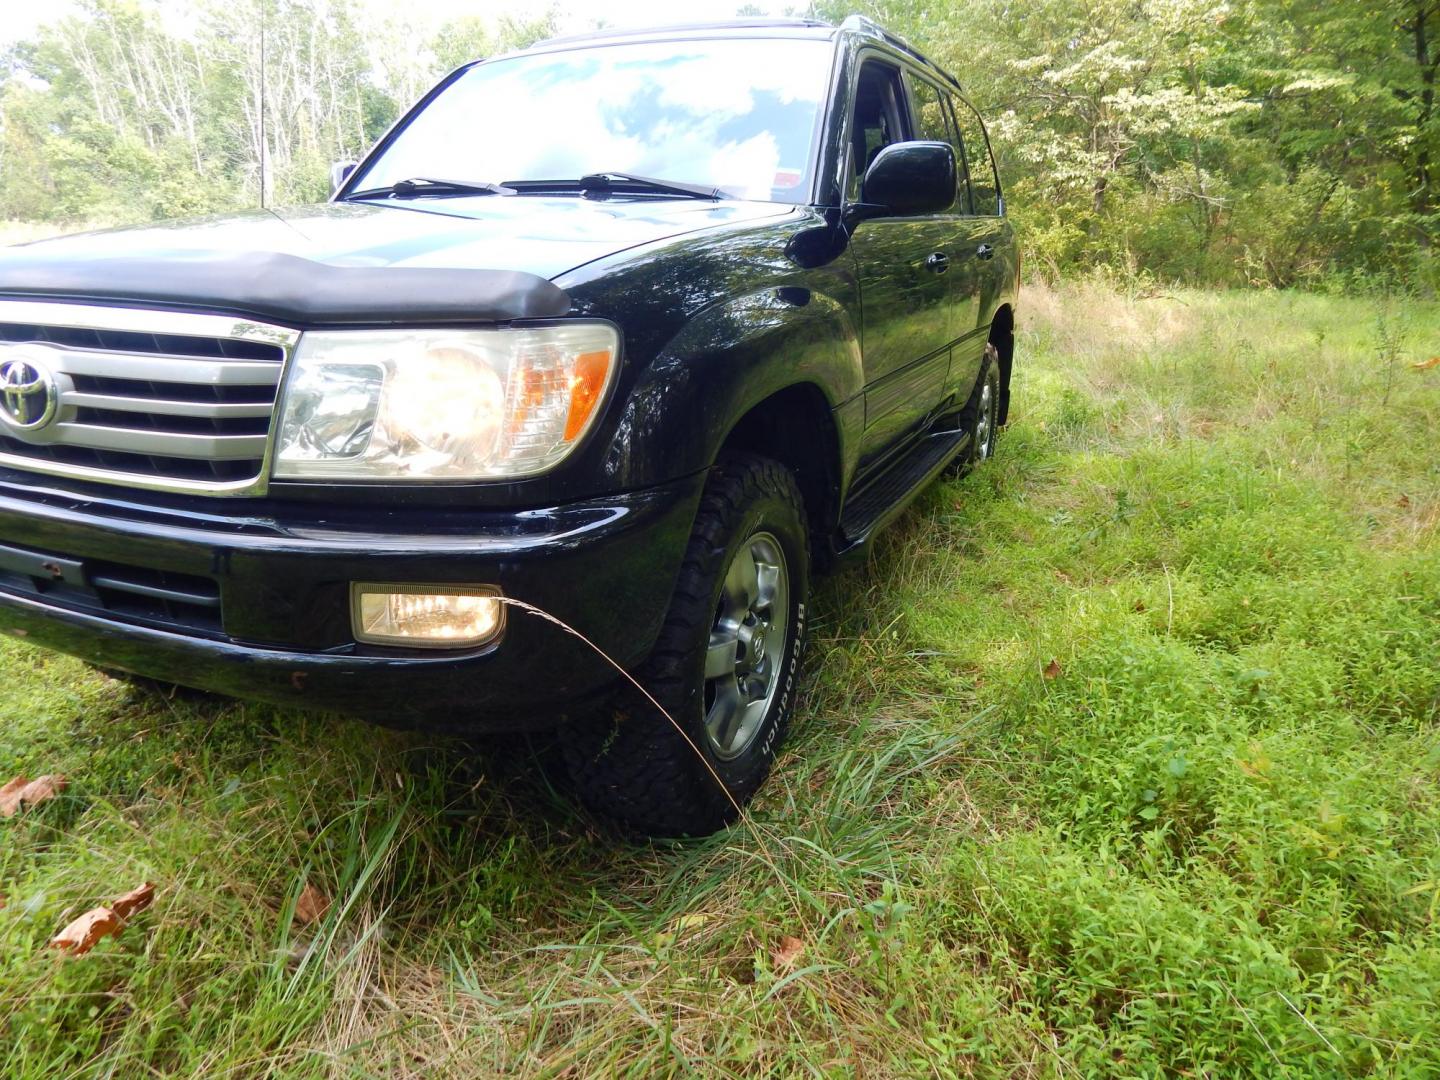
x=598 y=354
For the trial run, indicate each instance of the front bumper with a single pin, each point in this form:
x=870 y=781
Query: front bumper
x=256 y=605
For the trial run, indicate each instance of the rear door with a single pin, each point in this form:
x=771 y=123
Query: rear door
x=903 y=268
x=933 y=119
x=984 y=249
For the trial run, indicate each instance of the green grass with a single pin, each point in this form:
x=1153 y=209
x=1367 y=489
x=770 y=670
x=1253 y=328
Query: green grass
x=22 y=232
x=1205 y=841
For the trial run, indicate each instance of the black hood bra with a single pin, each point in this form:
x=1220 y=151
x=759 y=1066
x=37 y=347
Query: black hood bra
x=281 y=288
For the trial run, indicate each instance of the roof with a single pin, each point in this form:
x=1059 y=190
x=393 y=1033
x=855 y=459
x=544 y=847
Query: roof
x=789 y=26
x=756 y=25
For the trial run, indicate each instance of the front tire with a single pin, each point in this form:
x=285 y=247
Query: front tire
x=725 y=667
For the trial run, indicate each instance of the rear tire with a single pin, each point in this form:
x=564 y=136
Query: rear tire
x=725 y=667
x=981 y=414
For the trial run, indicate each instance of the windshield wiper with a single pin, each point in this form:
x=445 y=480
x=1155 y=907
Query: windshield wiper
x=424 y=185
x=620 y=183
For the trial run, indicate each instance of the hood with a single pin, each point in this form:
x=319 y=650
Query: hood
x=544 y=236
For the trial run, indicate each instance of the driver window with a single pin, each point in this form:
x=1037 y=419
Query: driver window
x=879 y=119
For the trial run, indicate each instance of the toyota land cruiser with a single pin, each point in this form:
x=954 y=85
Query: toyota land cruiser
x=624 y=334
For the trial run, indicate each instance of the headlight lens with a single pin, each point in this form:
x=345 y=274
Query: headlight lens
x=441 y=405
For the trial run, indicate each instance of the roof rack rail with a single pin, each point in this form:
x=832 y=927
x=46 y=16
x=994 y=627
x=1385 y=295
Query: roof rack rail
x=743 y=23
x=861 y=24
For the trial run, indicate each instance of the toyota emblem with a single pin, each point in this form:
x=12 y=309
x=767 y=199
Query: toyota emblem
x=29 y=397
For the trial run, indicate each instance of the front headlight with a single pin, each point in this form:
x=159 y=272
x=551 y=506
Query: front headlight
x=441 y=404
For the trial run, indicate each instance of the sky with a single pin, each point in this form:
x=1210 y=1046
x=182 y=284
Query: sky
x=19 y=18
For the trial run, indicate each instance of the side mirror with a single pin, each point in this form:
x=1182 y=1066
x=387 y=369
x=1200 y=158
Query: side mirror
x=339 y=173
x=910 y=178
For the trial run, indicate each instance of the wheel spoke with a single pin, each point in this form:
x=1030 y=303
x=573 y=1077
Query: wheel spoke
x=749 y=574
x=767 y=576
x=730 y=725
x=725 y=713
x=721 y=655
x=740 y=584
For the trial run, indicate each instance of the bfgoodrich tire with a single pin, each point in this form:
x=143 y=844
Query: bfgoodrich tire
x=725 y=667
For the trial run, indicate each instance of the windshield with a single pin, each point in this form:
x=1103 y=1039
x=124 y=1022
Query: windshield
x=738 y=115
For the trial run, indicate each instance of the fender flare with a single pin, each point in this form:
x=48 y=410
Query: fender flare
x=729 y=358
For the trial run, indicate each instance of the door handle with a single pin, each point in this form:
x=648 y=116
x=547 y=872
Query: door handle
x=938 y=263
x=986 y=251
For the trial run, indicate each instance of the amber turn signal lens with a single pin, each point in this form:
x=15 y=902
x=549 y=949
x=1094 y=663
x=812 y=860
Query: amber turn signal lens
x=587 y=384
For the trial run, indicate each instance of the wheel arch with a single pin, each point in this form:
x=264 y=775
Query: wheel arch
x=1002 y=336
x=796 y=427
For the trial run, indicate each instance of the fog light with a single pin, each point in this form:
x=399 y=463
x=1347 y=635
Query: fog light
x=425 y=616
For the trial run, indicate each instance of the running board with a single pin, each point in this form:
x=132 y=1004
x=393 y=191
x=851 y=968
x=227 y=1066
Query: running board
x=889 y=493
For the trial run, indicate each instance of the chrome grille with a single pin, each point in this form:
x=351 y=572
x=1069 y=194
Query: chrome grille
x=160 y=400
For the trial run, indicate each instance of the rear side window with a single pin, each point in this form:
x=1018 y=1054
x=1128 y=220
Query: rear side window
x=980 y=164
x=932 y=120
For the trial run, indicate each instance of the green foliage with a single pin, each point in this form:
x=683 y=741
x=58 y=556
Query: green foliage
x=1224 y=142
x=111 y=115
x=1232 y=142
x=1206 y=841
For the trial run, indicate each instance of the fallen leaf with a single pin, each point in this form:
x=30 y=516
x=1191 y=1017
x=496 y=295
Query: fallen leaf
x=1434 y=361
x=82 y=935
x=787 y=952
x=1052 y=669
x=20 y=792
x=311 y=905
x=136 y=900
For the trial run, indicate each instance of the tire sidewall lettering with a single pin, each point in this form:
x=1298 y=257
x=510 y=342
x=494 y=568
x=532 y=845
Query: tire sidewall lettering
x=786 y=700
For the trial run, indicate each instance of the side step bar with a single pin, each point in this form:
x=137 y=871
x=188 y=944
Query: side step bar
x=884 y=497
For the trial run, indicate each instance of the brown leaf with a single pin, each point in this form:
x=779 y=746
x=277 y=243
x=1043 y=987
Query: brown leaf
x=1434 y=361
x=787 y=951
x=20 y=792
x=311 y=905
x=136 y=900
x=1052 y=669
x=81 y=935
x=10 y=795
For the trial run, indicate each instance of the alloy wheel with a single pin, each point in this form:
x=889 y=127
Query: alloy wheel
x=746 y=651
x=985 y=422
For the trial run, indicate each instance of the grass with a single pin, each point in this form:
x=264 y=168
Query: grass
x=22 y=232
x=1119 y=758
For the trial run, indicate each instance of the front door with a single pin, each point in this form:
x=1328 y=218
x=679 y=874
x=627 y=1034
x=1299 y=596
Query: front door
x=903 y=264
